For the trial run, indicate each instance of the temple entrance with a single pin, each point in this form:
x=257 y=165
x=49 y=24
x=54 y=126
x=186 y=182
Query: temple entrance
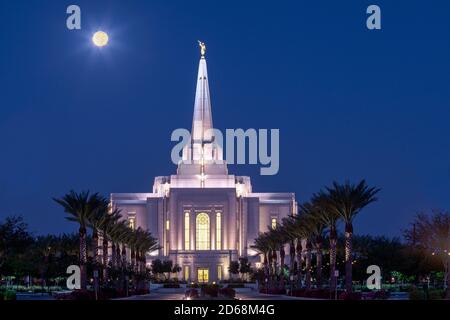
x=203 y=275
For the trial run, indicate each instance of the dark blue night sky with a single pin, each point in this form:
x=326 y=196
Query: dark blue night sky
x=349 y=102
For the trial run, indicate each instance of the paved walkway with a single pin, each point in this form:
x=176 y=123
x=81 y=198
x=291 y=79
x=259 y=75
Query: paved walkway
x=253 y=295
x=157 y=296
x=258 y=296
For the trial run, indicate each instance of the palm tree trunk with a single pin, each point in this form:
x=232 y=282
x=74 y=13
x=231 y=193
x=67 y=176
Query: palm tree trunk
x=333 y=243
x=118 y=257
x=299 y=261
x=270 y=263
x=95 y=257
x=105 y=257
x=274 y=260
x=348 y=256
x=282 y=256
x=143 y=261
x=124 y=256
x=447 y=292
x=447 y=296
x=123 y=262
x=138 y=261
x=113 y=255
x=271 y=272
x=95 y=247
x=308 y=264
x=292 y=258
x=133 y=260
x=266 y=267
x=319 y=263
x=83 y=258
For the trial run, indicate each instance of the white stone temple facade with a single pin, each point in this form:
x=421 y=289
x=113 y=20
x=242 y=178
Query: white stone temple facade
x=203 y=216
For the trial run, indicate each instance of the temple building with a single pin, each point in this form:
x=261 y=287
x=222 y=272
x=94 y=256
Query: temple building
x=203 y=216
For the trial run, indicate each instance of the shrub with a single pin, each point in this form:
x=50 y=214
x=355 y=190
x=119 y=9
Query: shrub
x=228 y=292
x=212 y=291
x=191 y=293
x=381 y=294
x=107 y=293
x=236 y=285
x=142 y=291
x=415 y=294
x=9 y=295
x=435 y=294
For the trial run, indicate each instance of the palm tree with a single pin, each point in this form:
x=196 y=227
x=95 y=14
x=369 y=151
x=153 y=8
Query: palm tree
x=106 y=225
x=144 y=244
x=297 y=227
x=80 y=206
x=316 y=226
x=305 y=232
x=118 y=235
x=95 y=221
x=99 y=220
x=347 y=200
x=321 y=203
x=261 y=246
x=279 y=239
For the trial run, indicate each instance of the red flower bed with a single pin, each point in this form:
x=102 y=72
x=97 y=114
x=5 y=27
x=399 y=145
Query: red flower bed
x=212 y=291
x=350 y=296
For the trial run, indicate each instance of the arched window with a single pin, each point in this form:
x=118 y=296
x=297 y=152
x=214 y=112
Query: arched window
x=202 y=232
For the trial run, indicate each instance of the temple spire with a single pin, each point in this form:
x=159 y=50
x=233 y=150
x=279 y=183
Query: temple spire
x=202 y=120
x=201 y=146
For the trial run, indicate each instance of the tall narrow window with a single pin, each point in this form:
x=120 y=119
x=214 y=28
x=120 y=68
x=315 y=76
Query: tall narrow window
x=187 y=242
x=202 y=232
x=274 y=223
x=219 y=272
x=186 y=273
x=218 y=231
x=167 y=224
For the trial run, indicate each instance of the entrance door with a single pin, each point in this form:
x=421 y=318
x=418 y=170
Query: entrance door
x=203 y=275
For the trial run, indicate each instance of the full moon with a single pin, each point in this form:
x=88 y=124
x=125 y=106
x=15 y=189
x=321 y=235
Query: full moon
x=100 y=39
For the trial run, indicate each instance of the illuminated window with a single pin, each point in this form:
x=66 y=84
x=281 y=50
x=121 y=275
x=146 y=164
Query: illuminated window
x=219 y=272
x=274 y=223
x=202 y=232
x=186 y=273
x=218 y=231
x=132 y=223
x=167 y=225
x=187 y=245
x=203 y=275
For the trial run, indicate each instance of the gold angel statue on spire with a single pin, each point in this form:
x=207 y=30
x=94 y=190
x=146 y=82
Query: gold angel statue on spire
x=202 y=47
